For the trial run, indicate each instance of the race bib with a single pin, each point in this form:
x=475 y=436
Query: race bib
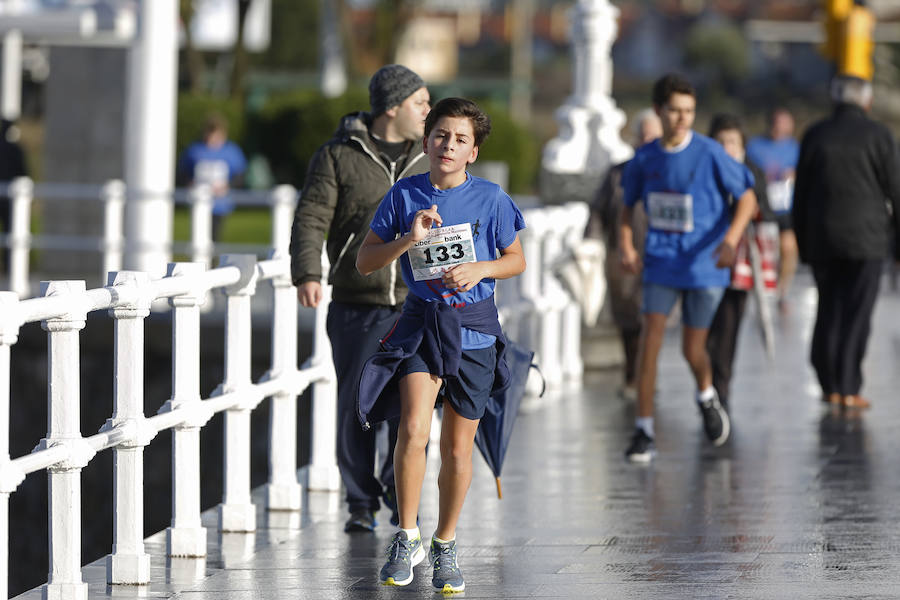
x=670 y=211
x=444 y=247
x=781 y=195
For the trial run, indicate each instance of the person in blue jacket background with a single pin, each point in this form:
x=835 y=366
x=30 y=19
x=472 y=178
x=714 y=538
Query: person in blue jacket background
x=447 y=228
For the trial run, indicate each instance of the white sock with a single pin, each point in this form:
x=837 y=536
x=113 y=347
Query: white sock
x=707 y=394
x=645 y=423
x=412 y=534
x=440 y=541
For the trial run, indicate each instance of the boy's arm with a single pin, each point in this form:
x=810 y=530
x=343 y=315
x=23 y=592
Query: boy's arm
x=743 y=213
x=375 y=253
x=631 y=260
x=467 y=275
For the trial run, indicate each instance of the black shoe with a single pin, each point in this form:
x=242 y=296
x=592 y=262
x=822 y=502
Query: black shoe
x=641 y=449
x=716 y=423
x=360 y=520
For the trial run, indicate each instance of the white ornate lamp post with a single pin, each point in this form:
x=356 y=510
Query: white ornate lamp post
x=589 y=121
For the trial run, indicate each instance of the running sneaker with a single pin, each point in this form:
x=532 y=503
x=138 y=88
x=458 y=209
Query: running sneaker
x=641 y=449
x=447 y=578
x=715 y=420
x=403 y=555
x=360 y=520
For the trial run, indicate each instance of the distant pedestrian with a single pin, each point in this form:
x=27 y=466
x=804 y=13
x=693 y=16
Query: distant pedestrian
x=723 y=332
x=624 y=287
x=776 y=154
x=217 y=162
x=684 y=181
x=346 y=180
x=454 y=235
x=846 y=199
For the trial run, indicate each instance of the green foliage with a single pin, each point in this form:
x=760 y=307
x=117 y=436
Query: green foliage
x=193 y=110
x=291 y=127
x=719 y=48
x=513 y=144
x=294 y=42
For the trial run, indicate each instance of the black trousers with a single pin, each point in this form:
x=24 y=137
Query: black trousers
x=355 y=331
x=847 y=293
x=722 y=341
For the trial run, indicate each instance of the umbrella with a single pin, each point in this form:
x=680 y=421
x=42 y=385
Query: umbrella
x=766 y=324
x=495 y=428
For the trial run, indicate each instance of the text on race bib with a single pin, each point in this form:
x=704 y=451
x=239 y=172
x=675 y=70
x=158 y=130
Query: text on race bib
x=670 y=211
x=781 y=195
x=444 y=247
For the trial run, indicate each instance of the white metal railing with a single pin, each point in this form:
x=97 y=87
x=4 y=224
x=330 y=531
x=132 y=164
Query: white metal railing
x=535 y=308
x=111 y=244
x=63 y=453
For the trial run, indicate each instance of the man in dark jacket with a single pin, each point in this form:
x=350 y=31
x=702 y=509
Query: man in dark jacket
x=848 y=172
x=345 y=182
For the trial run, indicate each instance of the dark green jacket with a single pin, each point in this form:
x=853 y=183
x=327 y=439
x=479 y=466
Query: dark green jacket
x=345 y=183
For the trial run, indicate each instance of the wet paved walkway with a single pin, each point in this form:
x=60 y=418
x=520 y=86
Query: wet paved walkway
x=803 y=502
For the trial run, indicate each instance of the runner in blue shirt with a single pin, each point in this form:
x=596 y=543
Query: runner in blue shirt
x=684 y=180
x=777 y=154
x=447 y=228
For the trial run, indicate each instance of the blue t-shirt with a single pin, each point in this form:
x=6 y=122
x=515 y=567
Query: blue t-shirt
x=478 y=217
x=213 y=166
x=775 y=157
x=686 y=193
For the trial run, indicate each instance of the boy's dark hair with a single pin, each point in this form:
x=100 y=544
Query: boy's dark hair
x=670 y=84
x=460 y=107
x=726 y=122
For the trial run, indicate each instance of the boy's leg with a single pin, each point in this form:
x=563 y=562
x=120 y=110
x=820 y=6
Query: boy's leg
x=457 y=441
x=693 y=346
x=652 y=334
x=418 y=392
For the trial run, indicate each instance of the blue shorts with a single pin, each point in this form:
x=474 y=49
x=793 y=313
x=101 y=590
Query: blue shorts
x=469 y=392
x=698 y=305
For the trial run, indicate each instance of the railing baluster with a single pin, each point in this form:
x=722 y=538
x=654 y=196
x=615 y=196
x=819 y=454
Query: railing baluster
x=186 y=536
x=21 y=193
x=283 y=491
x=201 y=224
x=237 y=512
x=323 y=469
x=128 y=563
x=113 y=195
x=283 y=199
x=9 y=334
x=64 y=427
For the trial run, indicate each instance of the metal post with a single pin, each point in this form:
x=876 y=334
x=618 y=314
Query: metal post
x=284 y=199
x=21 y=193
x=201 y=224
x=186 y=536
x=64 y=427
x=283 y=491
x=9 y=334
x=113 y=235
x=11 y=87
x=323 y=469
x=237 y=512
x=150 y=137
x=128 y=563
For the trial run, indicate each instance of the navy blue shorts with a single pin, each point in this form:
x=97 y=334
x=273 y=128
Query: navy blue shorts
x=469 y=392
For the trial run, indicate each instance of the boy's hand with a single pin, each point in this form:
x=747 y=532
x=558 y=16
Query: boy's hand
x=726 y=255
x=424 y=220
x=631 y=260
x=463 y=277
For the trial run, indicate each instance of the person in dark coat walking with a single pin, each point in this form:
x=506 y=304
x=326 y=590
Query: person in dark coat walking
x=847 y=175
x=345 y=182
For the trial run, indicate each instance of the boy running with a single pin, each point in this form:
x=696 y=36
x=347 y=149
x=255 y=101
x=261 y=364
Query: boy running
x=447 y=228
x=684 y=180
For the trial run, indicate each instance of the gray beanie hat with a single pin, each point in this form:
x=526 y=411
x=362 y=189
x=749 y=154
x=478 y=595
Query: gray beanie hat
x=390 y=86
